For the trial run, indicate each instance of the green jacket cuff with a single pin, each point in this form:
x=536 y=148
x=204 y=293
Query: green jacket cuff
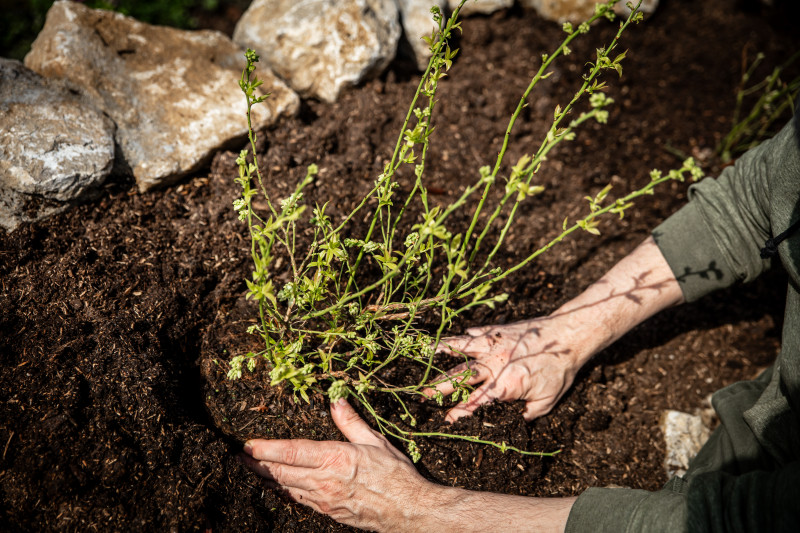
x=693 y=254
x=601 y=510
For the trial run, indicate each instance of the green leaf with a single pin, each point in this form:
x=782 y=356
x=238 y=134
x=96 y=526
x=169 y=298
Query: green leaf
x=589 y=226
x=603 y=193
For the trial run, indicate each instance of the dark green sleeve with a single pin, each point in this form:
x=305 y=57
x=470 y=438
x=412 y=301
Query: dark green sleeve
x=716 y=502
x=715 y=240
x=627 y=510
x=752 y=502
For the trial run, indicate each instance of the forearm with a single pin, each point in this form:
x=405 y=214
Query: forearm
x=452 y=509
x=636 y=288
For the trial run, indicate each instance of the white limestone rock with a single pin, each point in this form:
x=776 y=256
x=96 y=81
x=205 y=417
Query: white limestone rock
x=684 y=435
x=321 y=46
x=418 y=23
x=54 y=146
x=648 y=7
x=173 y=94
x=577 y=11
x=480 y=7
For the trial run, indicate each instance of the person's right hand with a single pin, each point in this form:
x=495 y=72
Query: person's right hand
x=529 y=360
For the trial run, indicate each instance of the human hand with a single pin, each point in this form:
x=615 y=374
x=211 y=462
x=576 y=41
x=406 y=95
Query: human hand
x=536 y=360
x=527 y=360
x=366 y=483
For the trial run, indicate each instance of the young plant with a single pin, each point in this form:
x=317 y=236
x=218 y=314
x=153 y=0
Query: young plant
x=775 y=99
x=352 y=307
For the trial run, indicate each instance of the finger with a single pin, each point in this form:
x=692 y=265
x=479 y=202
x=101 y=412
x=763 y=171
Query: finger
x=284 y=475
x=304 y=497
x=296 y=452
x=451 y=345
x=464 y=345
x=479 y=374
x=252 y=464
x=535 y=409
x=301 y=496
x=353 y=426
x=479 y=330
x=478 y=397
x=315 y=501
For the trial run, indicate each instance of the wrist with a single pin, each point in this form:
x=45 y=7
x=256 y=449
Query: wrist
x=435 y=508
x=636 y=288
x=454 y=509
x=582 y=327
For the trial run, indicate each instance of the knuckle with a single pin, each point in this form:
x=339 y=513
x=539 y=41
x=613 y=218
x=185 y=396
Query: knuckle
x=351 y=417
x=340 y=459
x=289 y=454
x=329 y=489
x=325 y=507
x=519 y=373
x=277 y=472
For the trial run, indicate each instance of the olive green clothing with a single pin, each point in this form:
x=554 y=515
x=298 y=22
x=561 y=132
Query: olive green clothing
x=747 y=477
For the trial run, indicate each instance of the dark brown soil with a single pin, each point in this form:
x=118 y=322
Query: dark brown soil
x=115 y=416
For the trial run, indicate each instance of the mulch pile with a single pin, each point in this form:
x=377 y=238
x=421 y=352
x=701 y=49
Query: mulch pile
x=117 y=317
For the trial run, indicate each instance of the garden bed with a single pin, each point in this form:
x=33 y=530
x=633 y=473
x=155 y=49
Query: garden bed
x=117 y=318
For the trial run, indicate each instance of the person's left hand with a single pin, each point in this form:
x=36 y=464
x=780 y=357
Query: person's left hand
x=366 y=483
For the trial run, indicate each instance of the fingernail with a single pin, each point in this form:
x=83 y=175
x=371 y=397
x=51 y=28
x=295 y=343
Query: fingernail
x=248 y=448
x=338 y=403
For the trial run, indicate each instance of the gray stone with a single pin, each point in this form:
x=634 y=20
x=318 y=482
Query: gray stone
x=577 y=11
x=173 y=94
x=684 y=435
x=417 y=23
x=481 y=7
x=321 y=46
x=54 y=146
